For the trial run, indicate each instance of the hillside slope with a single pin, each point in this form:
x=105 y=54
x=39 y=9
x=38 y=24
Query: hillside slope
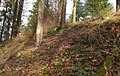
x=91 y=48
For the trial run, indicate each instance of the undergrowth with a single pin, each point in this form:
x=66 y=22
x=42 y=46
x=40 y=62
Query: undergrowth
x=86 y=49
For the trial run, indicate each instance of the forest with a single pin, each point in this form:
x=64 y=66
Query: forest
x=87 y=43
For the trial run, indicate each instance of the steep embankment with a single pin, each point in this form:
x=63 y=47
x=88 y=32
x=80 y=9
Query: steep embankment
x=88 y=49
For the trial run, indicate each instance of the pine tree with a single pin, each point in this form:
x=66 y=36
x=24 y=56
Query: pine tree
x=98 y=8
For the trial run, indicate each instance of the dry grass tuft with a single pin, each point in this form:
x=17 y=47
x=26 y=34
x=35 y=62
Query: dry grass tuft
x=14 y=46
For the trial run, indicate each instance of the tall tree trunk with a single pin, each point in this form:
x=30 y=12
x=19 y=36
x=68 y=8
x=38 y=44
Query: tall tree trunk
x=74 y=10
x=13 y=33
x=60 y=12
x=17 y=14
x=63 y=14
x=21 y=3
x=39 y=31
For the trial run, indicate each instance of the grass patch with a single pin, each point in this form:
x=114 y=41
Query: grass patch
x=46 y=69
x=51 y=32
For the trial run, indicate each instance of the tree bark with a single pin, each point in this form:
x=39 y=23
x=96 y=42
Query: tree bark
x=13 y=32
x=21 y=3
x=17 y=14
x=63 y=13
x=74 y=10
x=39 y=31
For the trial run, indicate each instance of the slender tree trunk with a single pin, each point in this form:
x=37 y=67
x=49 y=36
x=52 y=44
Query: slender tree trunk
x=13 y=32
x=63 y=14
x=17 y=14
x=74 y=10
x=39 y=31
x=60 y=12
x=21 y=3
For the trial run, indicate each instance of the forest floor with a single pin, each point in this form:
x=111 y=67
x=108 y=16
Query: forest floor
x=91 y=48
